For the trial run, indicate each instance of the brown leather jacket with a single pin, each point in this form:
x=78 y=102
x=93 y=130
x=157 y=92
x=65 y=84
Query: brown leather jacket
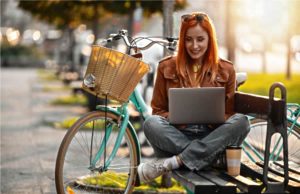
x=167 y=77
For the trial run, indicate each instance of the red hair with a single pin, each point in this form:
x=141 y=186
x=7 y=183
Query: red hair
x=211 y=58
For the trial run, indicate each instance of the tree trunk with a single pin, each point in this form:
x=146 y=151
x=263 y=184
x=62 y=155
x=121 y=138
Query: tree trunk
x=168 y=8
x=263 y=61
x=130 y=22
x=288 y=57
x=289 y=50
x=229 y=34
x=95 y=23
x=70 y=54
x=263 y=54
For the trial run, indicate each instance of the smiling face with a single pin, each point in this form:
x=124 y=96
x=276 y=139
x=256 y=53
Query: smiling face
x=196 y=43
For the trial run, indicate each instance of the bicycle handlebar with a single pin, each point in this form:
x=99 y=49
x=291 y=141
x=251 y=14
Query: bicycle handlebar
x=167 y=42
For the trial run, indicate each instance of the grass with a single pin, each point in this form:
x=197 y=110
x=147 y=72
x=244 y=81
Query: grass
x=261 y=83
x=70 y=100
x=46 y=75
x=99 y=124
x=69 y=122
x=49 y=88
x=66 y=123
x=118 y=180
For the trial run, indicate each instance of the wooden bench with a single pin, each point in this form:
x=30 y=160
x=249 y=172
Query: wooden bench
x=215 y=181
x=254 y=178
x=218 y=181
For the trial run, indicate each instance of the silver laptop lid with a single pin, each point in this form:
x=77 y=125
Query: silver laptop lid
x=197 y=105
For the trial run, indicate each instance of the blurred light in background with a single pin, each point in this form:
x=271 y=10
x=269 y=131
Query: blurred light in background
x=27 y=35
x=251 y=42
x=295 y=44
x=32 y=36
x=297 y=56
x=90 y=38
x=247 y=47
x=36 y=36
x=13 y=36
x=86 y=50
x=84 y=36
x=54 y=34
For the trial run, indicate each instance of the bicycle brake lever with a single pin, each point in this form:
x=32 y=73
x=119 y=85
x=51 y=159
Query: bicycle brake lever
x=171 y=39
x=109 y=40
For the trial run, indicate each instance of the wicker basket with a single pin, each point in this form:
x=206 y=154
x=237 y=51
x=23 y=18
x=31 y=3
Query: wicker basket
x=115 y=74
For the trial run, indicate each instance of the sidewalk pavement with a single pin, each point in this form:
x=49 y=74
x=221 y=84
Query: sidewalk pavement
x=28 y=146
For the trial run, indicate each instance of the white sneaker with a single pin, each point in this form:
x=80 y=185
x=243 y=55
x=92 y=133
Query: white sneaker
x=151 y=170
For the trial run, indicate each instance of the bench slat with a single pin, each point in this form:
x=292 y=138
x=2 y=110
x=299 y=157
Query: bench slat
x=245 y=184
x=278 y=170
x=224 y=186
x=193 y=182
x=291 y=168
x=255 y=104
x=257 y=172
x=250 y=103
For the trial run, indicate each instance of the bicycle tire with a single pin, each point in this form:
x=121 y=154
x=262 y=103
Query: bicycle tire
x=74 y=152
x=257 y=139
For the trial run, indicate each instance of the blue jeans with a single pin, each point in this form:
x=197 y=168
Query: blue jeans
x=196 y=145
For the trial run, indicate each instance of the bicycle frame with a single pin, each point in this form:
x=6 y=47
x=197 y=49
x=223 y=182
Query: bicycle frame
x=138 y=101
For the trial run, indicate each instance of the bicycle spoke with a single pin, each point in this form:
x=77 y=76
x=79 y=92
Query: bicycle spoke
x=257 y=136
x=85 y=151
x=133 y=167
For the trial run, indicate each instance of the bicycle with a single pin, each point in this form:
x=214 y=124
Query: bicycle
x=255 y=140
x=94 y=145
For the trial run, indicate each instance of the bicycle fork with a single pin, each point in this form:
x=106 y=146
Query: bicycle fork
x=124 y=117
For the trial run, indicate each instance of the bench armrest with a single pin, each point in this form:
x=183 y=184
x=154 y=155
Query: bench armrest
x=261 y=106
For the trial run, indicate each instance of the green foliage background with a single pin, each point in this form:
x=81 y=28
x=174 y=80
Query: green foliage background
x=20 y=55
x=261 y=83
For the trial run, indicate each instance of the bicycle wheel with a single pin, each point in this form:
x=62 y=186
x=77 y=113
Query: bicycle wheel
x=256 y=139
x=78 y=149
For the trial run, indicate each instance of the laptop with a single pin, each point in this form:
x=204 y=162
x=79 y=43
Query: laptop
x=197 y=105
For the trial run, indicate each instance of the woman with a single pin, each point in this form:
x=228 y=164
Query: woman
x=197 y=64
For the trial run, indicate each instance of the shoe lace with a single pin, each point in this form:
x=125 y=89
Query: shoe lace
x=160 y=168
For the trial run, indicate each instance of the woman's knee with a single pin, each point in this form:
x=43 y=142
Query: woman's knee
x=241 y=123
x=152 y=125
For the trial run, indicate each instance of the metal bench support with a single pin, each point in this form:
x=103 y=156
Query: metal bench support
x=277 y=123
